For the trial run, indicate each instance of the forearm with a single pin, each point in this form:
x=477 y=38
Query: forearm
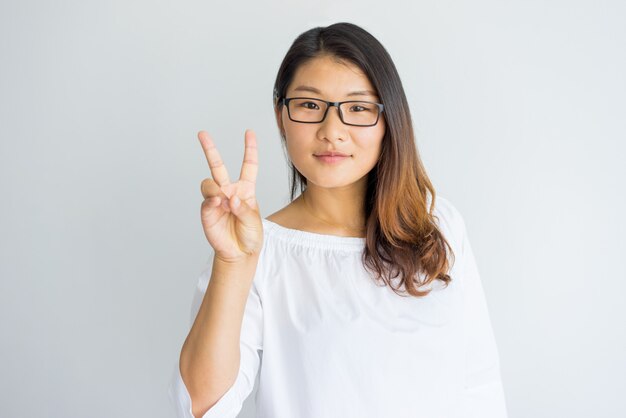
x=210 y=356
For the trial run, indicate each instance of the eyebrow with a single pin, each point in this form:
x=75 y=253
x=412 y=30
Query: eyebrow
x=354 y=93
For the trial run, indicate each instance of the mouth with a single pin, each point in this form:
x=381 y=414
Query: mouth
x=332 y=154
x=332 y=158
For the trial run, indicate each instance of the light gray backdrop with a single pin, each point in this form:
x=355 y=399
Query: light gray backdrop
x=519 y=112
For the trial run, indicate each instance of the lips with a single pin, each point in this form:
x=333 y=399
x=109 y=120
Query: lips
x=332 y=157
x=331 y=154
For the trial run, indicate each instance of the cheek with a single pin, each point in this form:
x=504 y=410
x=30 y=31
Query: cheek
x=373 y=155
x=298 y=153
x=371 y=147
x=298 y=141
x=293 y=145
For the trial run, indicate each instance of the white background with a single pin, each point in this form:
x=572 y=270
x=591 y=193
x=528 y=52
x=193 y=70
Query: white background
x=519 y=110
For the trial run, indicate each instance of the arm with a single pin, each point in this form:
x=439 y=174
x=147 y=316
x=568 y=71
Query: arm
x=220 y=357
x=483 y=395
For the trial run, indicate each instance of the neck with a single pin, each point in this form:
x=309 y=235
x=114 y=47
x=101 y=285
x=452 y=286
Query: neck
x=340 y=209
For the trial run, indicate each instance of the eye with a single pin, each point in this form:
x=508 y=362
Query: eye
x=360 y=108
x=306 y=105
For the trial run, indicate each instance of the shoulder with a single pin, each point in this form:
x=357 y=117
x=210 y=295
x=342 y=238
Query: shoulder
x=447 y=211
x=288 y=217
x=450 y=221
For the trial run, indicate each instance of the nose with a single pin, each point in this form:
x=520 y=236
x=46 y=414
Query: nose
x=335 y=112
x=332 y=127
x=333 y=116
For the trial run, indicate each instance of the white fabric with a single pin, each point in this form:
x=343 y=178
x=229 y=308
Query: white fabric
x=328 y=342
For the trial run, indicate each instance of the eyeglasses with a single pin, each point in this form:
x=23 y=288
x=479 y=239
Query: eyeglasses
x=352 y=112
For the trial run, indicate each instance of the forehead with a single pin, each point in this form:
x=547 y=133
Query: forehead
x=331 y=78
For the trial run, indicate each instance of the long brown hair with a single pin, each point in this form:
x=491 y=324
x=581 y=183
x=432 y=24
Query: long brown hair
x=402 y=237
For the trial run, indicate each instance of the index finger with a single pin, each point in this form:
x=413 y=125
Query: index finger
x=250 y=164
x=216 y=165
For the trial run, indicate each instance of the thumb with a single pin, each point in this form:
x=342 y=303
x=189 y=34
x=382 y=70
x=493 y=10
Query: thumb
x=242 y=211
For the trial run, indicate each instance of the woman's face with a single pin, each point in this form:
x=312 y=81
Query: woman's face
x=334 y=82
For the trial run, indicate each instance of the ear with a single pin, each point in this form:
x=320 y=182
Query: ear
x=279 y=120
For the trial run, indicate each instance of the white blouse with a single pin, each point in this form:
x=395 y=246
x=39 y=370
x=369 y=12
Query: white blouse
x=329 y=342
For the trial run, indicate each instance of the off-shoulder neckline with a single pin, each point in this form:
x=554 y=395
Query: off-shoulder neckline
x=313 y=239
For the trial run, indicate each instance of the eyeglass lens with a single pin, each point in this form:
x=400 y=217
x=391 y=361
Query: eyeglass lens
x=311 y=110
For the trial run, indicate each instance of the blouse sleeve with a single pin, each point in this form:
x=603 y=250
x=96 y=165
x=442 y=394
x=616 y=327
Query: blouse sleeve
x=251 y=346
x=483 y=395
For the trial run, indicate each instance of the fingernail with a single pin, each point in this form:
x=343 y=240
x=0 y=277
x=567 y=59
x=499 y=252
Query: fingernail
x=236 y=202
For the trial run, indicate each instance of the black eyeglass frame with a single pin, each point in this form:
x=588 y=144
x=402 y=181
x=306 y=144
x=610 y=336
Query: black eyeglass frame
x=285 y=101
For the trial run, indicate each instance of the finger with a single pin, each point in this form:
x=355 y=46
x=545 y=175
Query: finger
x=247 y=217
x=218 y=170
x=209 y=188
x=213 y=201
x=212 y=210
x=230 y=189
x=242 y=211
x=250 y=164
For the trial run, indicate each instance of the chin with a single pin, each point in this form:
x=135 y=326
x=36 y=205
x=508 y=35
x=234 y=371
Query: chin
x=329 y=183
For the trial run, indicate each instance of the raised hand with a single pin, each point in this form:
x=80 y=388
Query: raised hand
x=230 y=213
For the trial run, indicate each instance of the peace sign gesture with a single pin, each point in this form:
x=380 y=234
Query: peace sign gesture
x=230 y=213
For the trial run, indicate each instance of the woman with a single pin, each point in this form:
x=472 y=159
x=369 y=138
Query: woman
x=361 y=298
